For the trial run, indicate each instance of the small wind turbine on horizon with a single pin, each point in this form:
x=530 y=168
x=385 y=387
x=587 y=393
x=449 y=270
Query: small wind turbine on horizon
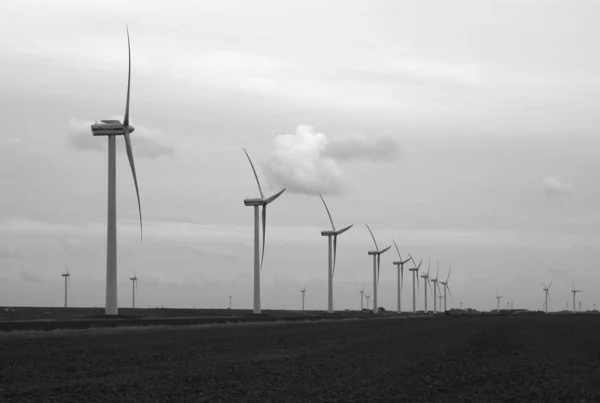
x=67 y=277
x=426 y=282
x=256 y=203
x=547 y=294
x=362 y=292
x=400 y=266
x=113 y=128
x=367 y=296
x=230 y=302
x=376 y=266
x=574 y=291
x=579 y=306
x=446 y=287
x=331 y=262
x=134 y=290
x=435 y=285
x=415 y=270
x=498 y=297
x=303 y=291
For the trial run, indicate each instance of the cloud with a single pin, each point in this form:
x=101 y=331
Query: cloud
x=146 y=143
x=10 y=143
x=552 y=186
x=307 y=162
x=30 y=277
x=376 y=149
x=8 y=251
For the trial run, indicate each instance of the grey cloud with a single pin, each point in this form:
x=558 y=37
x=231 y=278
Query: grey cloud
x=375 y=149
x=8 y=251
x=552 y=186
x=144 y=141
x=30 y=277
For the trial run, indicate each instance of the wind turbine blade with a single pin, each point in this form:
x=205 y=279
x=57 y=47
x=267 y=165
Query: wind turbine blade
x=385 y=250
x=449 y=293
x=132 y=165
x=429 y=282
x=550 y=285
x=397 y=250
x=449 y=271
x=429 y=266
x=255 y=175
x=275 y=196
x=372 y=236
x=344 y=229
x=328 y=213
x=264 y=228
x=334 y=252
x=126 y=117
x=66 y=268
x=406 y=261
x=437 y=275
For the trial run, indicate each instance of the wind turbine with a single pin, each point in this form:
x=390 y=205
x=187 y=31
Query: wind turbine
x=113 y=128
x=440 y=297
x=574 y=291
x=498 y=297
x=446 y=287
x=67 y=276
x=400 y=266
x=362 y=292
x=331 y=265
x=303 y=291
x=134 y=280
x=256 y=203
x=367 y=296
x=435 y=285
x=579 y=306
x=547 y=293
x=376 y=266
x=415 y=270
x=426 y=282
x=229 y=301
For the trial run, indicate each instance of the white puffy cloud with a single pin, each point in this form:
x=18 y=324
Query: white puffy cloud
x=146 y=143
x=307 y=162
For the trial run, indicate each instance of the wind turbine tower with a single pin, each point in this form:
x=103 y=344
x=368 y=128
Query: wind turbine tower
x=415 y=272
x=229 y=301
x=367 y=296
x=498 y=297
x=303 y=291
x=426 y=282
x=331 y=235
x=446 y=287
x=574 y=291
x=113 y=128
x=134 y=280
x=362 y=293
x=435 y=285
x=376 y=266
x=547 y=294
x=400 y=266
x=256 y=203
x=67 y=276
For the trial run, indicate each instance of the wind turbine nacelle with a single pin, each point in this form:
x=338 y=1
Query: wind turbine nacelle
x=335 y=232
x=109 y=127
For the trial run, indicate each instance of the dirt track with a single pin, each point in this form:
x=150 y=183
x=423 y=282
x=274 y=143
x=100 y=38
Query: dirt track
x=452 y=359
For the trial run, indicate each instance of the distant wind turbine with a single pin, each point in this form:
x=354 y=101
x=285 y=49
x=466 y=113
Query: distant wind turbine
x=435 y=286
x=446 y=287
x=415 y=272
x=256 y=203
x=67 y=276
x=134 y=280
x=367 y=296
x=426 y=282
x=303 y=291
x=362 y=292
x=574 y=291
x=331 y=264
x=229 y=301
x=376 y=266
x=400 y=266
x=113 y=128
x=498 y=297
x=547 y=294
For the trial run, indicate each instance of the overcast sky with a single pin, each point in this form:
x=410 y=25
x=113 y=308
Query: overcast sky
x=465 y=130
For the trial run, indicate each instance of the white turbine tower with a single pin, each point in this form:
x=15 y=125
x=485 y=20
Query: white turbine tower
x=67 y=277
x=256 y=203
x=362 y=293
x=113 y=128
x=376 y=266
x=498 y=297
x=400 y=266
x=134 y=280
x=367 y=296
x=574 y=291
x=426 y=282
x=415 y=272
x=446 y=287
x=331 y=235
x=435 y=286
x=303 y=291
x=547 y=294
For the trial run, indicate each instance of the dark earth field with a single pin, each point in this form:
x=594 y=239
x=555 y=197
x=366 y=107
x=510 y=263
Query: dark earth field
x=435 y=359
